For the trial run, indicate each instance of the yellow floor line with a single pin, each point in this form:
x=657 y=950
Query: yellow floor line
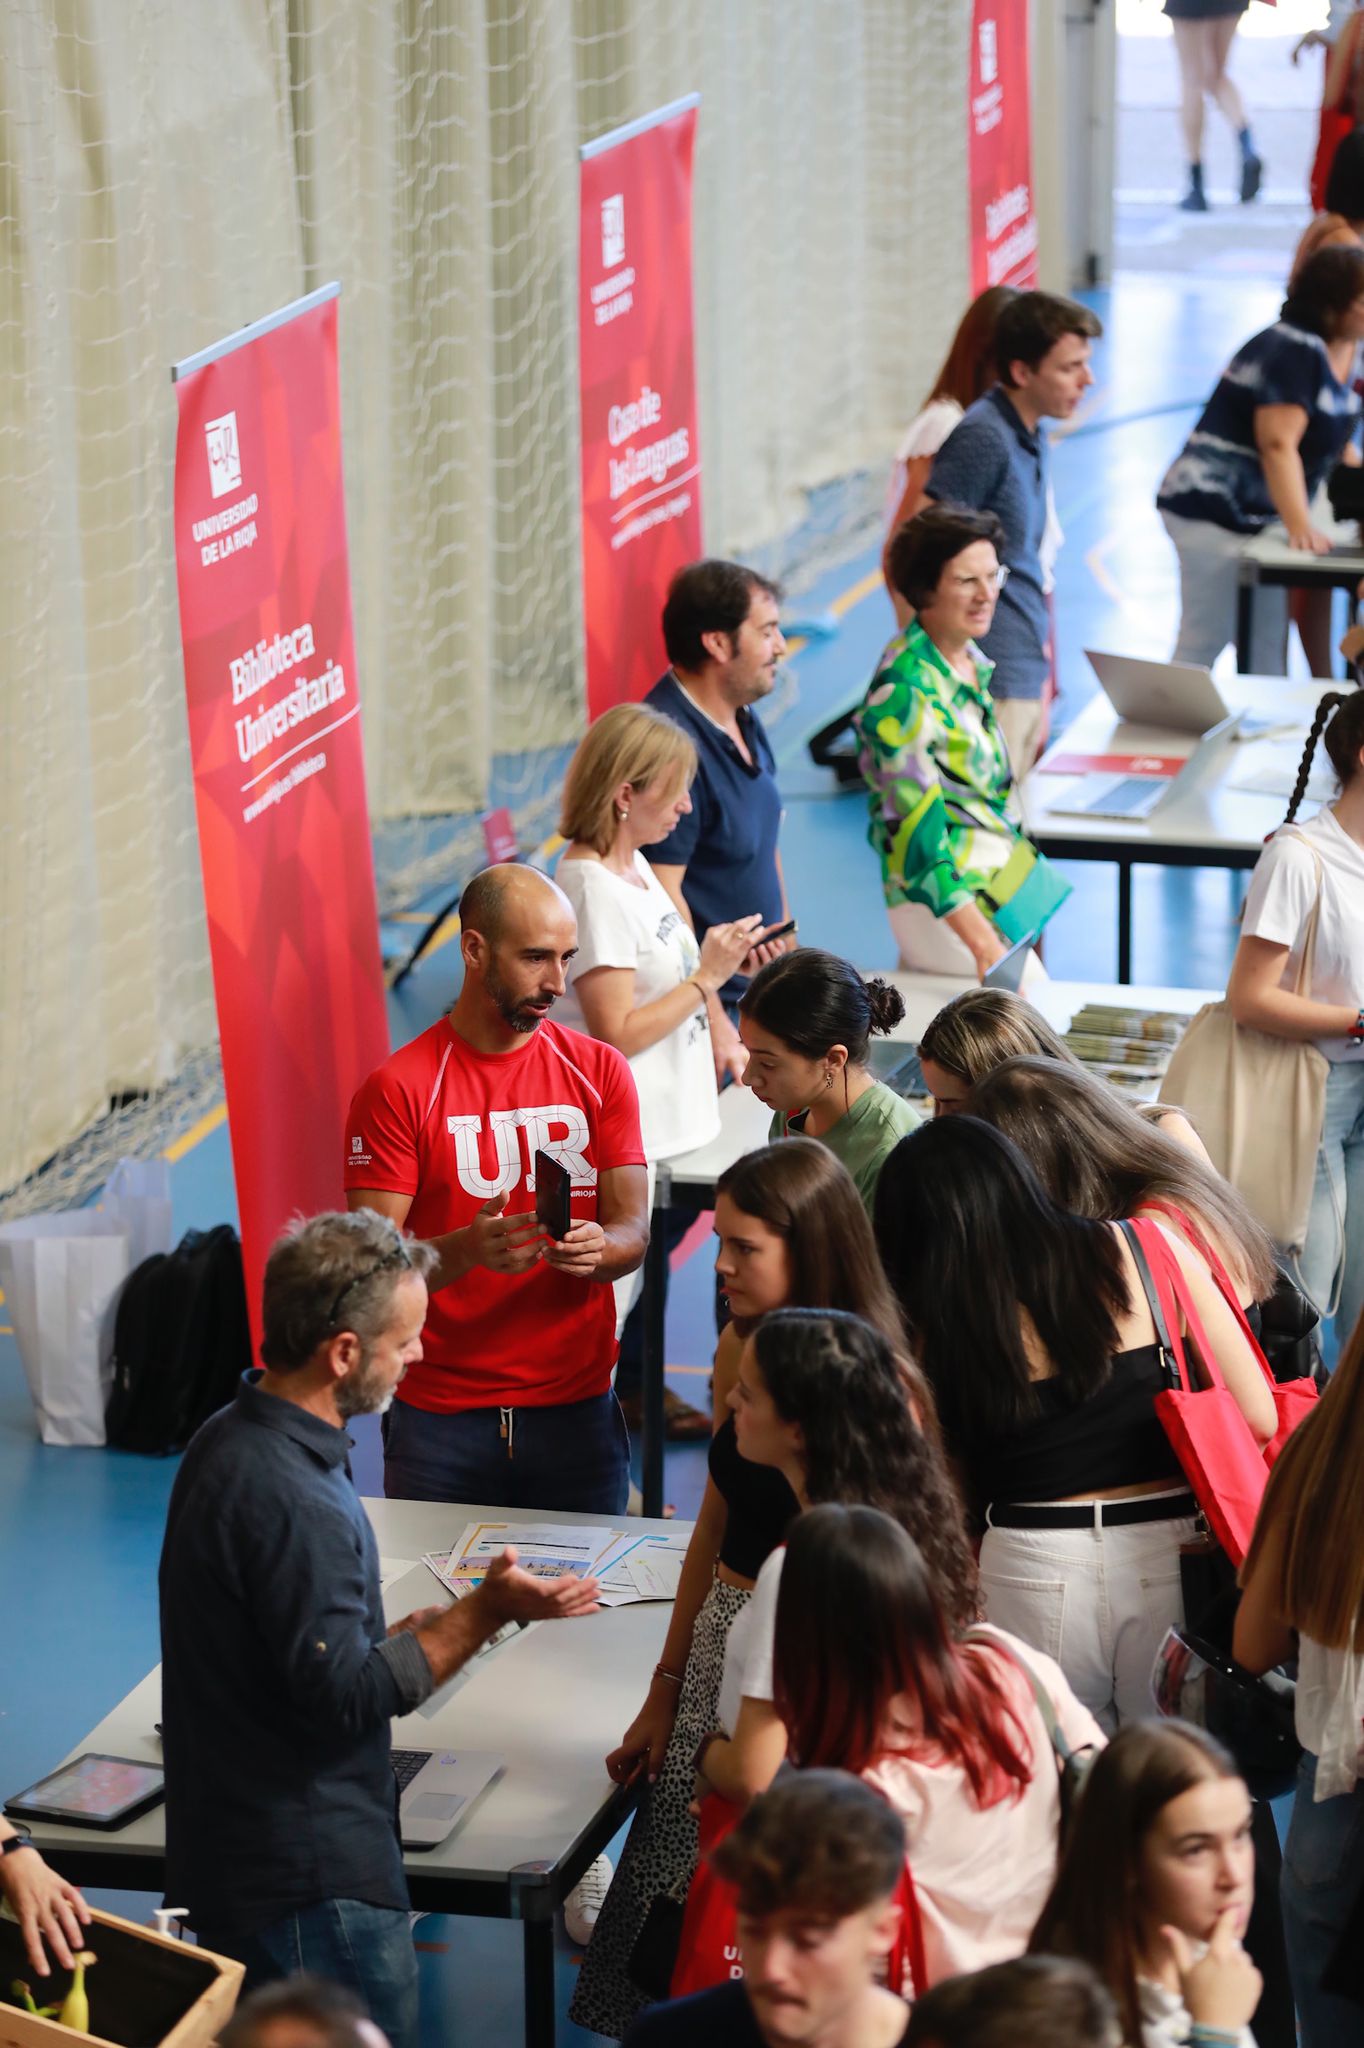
x=196 y=1134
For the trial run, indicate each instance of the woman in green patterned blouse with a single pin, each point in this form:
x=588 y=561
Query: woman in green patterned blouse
x=944 y=815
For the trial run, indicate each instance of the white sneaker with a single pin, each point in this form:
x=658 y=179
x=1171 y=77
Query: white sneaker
x=584 y=1902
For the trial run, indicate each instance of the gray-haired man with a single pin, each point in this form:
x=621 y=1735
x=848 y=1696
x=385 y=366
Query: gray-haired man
x=279 y=1680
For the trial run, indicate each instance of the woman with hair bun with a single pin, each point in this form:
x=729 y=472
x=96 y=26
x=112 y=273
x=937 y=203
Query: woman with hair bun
x=806 y=1022
x=1320 y=860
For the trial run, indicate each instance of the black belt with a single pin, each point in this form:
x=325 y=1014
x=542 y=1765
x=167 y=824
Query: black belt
x=1112 y=1514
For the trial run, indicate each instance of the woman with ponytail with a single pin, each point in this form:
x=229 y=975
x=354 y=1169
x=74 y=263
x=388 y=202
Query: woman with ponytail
x=1322 y=858
x=806 y=1022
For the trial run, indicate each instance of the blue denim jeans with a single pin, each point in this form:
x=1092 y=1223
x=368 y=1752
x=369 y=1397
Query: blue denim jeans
x=1323 y=1869
x=366 y=1948
x=1335 y=1229
x=576 y=1456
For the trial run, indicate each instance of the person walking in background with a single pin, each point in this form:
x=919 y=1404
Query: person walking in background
x=967 y=373
x=638 y=980
x=1303 y=1597
x=1282 y=415
x=944 y=810
x=806 y=1023
x=1204 y=32
x=1320 y=861
x=996 y=460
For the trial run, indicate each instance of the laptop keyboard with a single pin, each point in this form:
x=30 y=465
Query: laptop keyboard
x=1127 y=798
x=407 y=1763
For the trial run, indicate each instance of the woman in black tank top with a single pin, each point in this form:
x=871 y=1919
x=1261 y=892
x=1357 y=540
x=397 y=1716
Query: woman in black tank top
x=1033 y=1331
x=791 y=1230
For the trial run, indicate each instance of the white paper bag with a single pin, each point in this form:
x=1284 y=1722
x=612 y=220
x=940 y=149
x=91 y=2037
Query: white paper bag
x=60 y=1274
x=137 y=1194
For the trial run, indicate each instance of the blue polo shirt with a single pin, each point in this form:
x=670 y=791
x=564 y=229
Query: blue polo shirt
x=993 y=462
x=278 y=1679
x=727 y=843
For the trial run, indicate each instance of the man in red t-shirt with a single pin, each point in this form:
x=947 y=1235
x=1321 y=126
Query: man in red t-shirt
x=511 y=1404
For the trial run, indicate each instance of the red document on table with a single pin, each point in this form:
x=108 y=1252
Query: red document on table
x=1114 y=764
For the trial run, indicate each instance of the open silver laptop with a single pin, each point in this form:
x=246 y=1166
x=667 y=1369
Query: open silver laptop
x=1105 y=794
x=1174 y=694
x=436 y=1788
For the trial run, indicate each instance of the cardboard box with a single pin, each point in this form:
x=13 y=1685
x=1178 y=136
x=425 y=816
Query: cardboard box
x=146 y=1990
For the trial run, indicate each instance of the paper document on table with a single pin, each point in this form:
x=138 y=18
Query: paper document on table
x=544 y=1549
x=391 y=1569
x=642 y=1566
x=1278 y=777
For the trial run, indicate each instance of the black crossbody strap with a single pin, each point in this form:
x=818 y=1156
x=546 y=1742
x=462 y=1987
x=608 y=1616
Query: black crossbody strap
x=1169 y=1357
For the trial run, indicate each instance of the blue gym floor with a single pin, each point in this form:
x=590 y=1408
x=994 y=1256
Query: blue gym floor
x=81 y=1529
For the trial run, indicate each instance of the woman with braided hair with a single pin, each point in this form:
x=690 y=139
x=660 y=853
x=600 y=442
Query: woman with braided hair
x=1321 y=858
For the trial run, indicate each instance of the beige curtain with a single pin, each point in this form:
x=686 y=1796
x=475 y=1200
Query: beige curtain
x=172 y=171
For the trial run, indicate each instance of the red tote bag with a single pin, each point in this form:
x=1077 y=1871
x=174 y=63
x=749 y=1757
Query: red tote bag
x=1293 y=1399
x=708 y=1950
x=1212 y=1440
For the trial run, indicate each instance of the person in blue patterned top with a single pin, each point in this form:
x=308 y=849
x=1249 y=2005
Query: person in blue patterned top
x=1283 y=414
x=944 y=817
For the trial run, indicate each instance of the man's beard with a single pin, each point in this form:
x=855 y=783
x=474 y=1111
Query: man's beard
x=359 y=1394
x=514 y=1014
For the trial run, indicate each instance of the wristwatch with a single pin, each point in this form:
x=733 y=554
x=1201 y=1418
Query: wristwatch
x=1356 y=1031
x=20 y=1839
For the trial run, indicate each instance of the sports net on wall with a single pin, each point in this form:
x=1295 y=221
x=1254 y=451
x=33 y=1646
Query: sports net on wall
x=172 y=173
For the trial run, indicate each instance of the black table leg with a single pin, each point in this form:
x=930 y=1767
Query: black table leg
x=653 y=1307
x=1124 y=920
x=1245 y=612
x=538 y=1973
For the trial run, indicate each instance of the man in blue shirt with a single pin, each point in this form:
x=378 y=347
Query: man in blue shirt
x=720 y=862
x=996 y=460
x=279 y=1679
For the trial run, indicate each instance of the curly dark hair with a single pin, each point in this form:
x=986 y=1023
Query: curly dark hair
x=839 y=1380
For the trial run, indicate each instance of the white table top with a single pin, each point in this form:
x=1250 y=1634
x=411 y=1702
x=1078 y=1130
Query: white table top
x=745 y=1122
x=1209 y=813
x=1268 y=551
x=553 y=1701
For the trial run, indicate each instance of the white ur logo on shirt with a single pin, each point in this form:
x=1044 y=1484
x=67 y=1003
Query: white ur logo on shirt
x=559 y=1128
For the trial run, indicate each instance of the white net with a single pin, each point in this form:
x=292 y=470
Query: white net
x=173 y=172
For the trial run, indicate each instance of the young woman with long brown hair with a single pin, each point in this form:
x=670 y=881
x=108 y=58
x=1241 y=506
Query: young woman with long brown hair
x=1303 y=1595
x=1155 y=1886
x=1098 y=1157
x=871 y=1675
x=790 y=1228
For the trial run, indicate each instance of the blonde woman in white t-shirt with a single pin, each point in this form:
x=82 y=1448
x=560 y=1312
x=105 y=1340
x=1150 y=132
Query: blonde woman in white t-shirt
x=1324 y=854
x=639 y=981
x=1303 y=1595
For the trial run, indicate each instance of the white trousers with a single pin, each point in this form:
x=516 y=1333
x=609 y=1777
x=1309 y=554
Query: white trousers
x=1098 y=1600
x=928 y=945
x=1209 y=583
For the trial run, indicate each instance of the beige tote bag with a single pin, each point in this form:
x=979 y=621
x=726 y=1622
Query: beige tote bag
x=1258 y=1101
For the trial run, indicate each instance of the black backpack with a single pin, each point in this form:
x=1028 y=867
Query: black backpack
x=182 y=1339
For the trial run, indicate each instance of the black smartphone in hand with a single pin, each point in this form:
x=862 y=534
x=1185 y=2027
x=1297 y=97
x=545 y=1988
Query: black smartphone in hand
x=553 y=1184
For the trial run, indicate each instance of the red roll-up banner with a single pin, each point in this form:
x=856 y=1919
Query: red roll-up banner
x=1003 y=215
x=641 y=462
x=279 y=773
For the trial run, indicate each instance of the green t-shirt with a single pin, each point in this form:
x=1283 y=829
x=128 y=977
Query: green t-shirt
x=871 y=1129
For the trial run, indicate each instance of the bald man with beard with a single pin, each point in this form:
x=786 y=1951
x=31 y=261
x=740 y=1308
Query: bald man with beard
x=511 y=1404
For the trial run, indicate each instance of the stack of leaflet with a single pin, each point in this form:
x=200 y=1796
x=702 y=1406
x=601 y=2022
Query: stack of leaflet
x=1131 y=1048
x=631 y=1565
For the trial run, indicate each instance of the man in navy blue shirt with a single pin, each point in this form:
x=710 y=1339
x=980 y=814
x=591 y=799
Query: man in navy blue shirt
x=279 y=1679
x=996 y=460
x=720 y=862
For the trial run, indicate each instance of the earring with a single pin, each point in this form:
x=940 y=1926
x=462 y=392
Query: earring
x=622 y=812
x=828 y=1080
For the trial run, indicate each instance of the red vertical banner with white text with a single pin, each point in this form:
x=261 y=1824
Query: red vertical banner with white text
x=279 y=774
x=641 y=463
x=1003 y=213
